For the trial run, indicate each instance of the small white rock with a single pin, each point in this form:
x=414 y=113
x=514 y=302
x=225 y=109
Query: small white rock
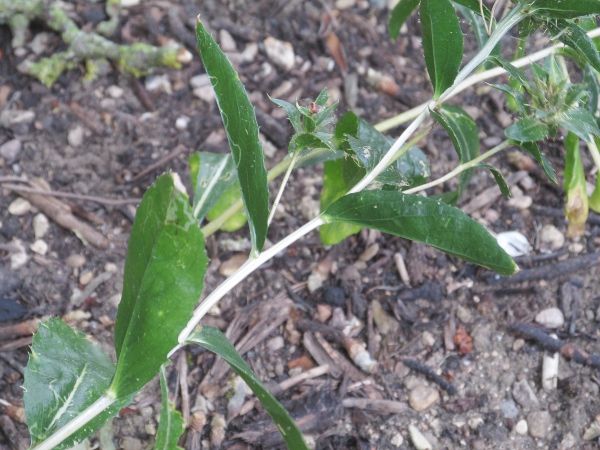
x=159 y=83
x=275 y=343
x=314 y=282
x=40 y=247
x=205 y=93
x=86 y=277
x=513 y=243
x=19 y=207
x=75 y=136
x=397 y=440
x=550 y=364
x=521 y=427
x=427 y=339
x=520 y=202
x=75 y=261
x=227 y=42
x=199 y=81
x=551 y=238
x=550 y=318
x=110 y=267
x=114 y=91
x=182 y=123
x=129 y=3
x=19 y=258
x=41 y=225
x=418 y=439
x=280 y=52
x=10 y=149
x=344 y=4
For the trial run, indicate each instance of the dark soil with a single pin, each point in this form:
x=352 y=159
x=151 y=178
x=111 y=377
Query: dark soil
x=92 y=138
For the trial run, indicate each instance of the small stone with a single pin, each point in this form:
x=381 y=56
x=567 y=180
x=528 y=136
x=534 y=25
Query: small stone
x=19 y=258
x=40 y=225
x=323 y=312
x=114 y=91
x=397 y=440
x=227 y=42
x=75 y=136
x=129 y=3
x=592 y=432
x=110 y=267
x=16 y=116
x=475 y=422
x=422 y=397
x=518 y=344
x=230 y=266
x=159 y=83
x=427 y=339
x=417 y=438
x=524 y=395
x=482 y=337
x=509 y=409
x=369 y=253
x=568 y=443
x=182 y=123
x=19 y=207
x=309 y=207
x=385 y=323
x=40 y=247
x=275 y=343
x=75 y=261
x=198 y=81
x=280 y=52
x=130 y=443
x=550 y=318
x=539 y=424
x=10 y=149
x=334 y=296
x=521 y=427
x=464 y=314
x=314 y=282
x=86 y=277
x=150 y=429
x=551 y=238
x=205 y=93
x=520 y=202
x=344 y=4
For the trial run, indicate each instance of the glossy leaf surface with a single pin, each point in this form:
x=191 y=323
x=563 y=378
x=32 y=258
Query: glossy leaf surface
x=424 y=220
x=527 y=129
x=579 y=121
x=212 y=174
x=164 y=272
x=240 y=124
x=171 y=425
x=215 y=341
x=575 y=37
x=66 y=373
x=442 y=43
x=565 y=9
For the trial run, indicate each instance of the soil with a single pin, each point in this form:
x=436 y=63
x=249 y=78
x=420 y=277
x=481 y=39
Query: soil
x=93 y=138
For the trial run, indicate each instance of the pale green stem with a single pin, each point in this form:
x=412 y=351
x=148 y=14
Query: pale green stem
x=79 y=421
x=458 y=170
x=283 y=184
x=593 y=148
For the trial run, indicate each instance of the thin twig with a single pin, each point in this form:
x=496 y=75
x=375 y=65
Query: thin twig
x=89 y=198
x=165 y=159
x=430 y=374
x=282 y=187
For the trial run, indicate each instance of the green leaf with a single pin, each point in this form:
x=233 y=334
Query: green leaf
x=575 y=37
x=533 y=149
x=518 y=99
x=171 y=425
x=413 y=166
x=442 y=43
x=424 y=220
x=334 y=187
x=579 y=121
x=462 y=130
x=292 y=113
x=576 y=206
x=401 y=12
x=66 y=373
x=229 y=197
x=164 y=271
x=527 y=129
x=242 y=131
x=500 y=181
x=527 y=27
x=565 y=9
x=476 y=23
x=309 y=141
x=213 y=174
x=518 y=75
x=215 y=341
x=594 y=201
x=475 y=6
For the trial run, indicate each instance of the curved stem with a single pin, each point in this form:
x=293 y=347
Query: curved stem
x=461 y=168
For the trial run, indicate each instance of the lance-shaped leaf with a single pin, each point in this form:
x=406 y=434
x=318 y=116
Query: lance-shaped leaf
x=292 y=112
x=533 y=149
x=424 y=220
x=594 y=201
x=462 y=130
x=242 y=132
x=309 y=140
x=66 y=373
x=163 y=280
x=500 y=181
x=592 y=86
x=231 y=196
x=171 y=425
x=565 y=9
x=576 y=207
x=518 y=75
x=478 y=26
x=442 y=43
x=211 y=174
x=575 y=37
x=517 y=100
x=527 y=129
x=476 y=7
x=401 y=12
x=579 y=121
x=212 y=339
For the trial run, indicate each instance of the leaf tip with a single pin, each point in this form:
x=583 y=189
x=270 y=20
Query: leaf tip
x=177 y=183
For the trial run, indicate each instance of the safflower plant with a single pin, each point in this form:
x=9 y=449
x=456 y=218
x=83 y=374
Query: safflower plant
x=72 y=387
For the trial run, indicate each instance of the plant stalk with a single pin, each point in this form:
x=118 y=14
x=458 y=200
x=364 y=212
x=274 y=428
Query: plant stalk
x=283 y=184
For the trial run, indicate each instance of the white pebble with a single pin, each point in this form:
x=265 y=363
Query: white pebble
x=513 y=243
x=551 y=238
x=205 y=93
x=114 y=91
x=182 y=123
x=550 y=318
x=159 y=83
x=550 y=370
x=75 y=136
x=275 y=343
x=280 y=52
x=19 y=258
x=40 y=225
x=86 y=277
x=227 y=42
x=418 y=439
x=9 y=150
x=40 y=247
x=521 y=427
x=110 y=267
x=19 y=207
x=75 y=261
